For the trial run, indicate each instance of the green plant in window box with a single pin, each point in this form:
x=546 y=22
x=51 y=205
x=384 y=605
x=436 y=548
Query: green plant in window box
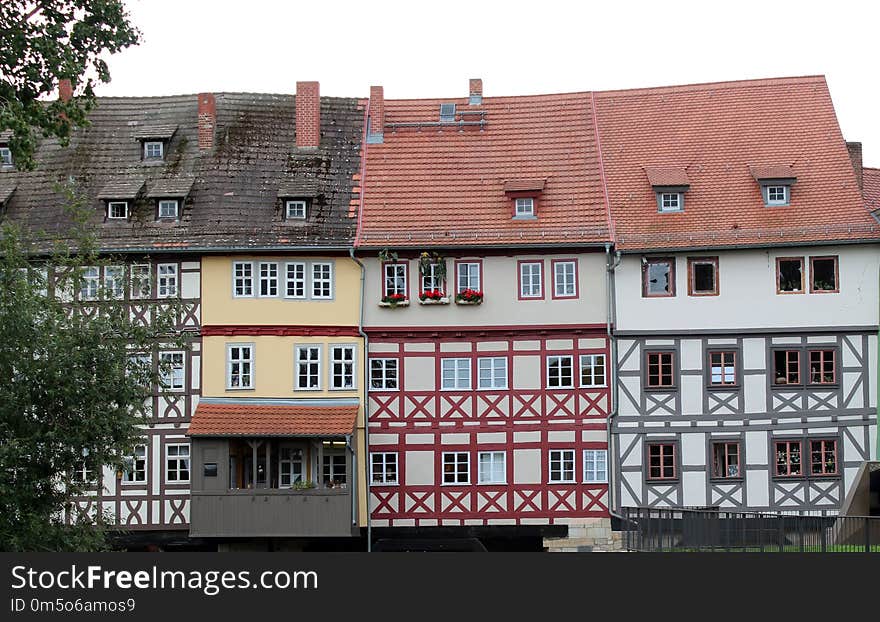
x=394 y=300
x=387 y=255
x=306 y=484
x=426 y=260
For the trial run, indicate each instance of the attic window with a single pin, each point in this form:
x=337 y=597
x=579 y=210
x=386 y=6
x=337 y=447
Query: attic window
x=447 y=113
x=670 y=201
x=5 y=156
x=117 y=210
x=154 y=150
x=525 y=208
x=777 y=195
x=295 y=209
x=169 y=208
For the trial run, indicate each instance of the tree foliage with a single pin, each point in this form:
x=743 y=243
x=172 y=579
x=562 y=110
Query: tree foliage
x=74 y=383
x=42 y=41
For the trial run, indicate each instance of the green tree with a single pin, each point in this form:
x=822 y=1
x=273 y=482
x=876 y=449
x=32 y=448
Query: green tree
x=42 y=41
x=75 y=380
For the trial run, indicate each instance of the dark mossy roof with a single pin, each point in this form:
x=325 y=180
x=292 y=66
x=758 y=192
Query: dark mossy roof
x=233 y=192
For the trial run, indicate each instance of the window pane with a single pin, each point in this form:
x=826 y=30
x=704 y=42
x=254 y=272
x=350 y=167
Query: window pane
x=790 y=275
x=824 y=274
x=658 y=275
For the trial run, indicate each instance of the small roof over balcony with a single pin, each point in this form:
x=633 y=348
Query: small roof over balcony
x=219 y=417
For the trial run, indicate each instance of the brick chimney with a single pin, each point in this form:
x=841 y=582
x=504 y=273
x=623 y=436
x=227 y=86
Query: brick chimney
x=475 y=91
x=308 y=115
x=855 y=154
x=376 y=133
x=207 y=120
x=65 y=90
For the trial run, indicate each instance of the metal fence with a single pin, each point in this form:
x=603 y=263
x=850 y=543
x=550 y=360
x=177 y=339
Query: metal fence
x=678 y=529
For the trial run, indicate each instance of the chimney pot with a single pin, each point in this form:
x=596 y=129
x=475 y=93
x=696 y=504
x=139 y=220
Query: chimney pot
x=376 y=134
x=855 y=154
x=475 y=91
x=308 y=115
x=207 y=120
x=65 y=90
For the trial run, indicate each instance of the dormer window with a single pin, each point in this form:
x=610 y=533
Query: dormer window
x=670 y=201
x=169 y=208
x=5 y=156
x=776 y=195
x=154 y=150
x=117 y=210
x=525 y=208
x=295 y=209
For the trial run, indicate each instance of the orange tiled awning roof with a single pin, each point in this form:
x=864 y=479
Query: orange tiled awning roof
x=667 y=176
x=272 y=419
x=772 y=171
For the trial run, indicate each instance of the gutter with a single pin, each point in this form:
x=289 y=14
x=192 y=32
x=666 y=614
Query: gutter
x=611 y=320
x=366 y=380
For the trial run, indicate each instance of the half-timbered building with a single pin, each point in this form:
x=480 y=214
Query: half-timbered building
x=745 y=297
x=485 y=237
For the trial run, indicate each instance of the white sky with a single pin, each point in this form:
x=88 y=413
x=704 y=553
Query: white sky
x=430 y=49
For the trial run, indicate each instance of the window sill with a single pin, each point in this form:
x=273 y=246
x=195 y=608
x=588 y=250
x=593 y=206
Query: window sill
x=491 y=483
x=391 y=305
x=673 y=389
x=568 y=482
x=373 y=484
x=440 y=301
x=596 y=483
x=455 y=484
x=726 y=480
x=724 y=387
x=468 y=302
x=240 y=388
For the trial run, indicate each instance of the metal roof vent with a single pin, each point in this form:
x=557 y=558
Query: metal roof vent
x=447 y=113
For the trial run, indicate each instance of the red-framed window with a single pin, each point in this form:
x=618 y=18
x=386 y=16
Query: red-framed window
x=823 y=369
x=468 y=275
x=726 y=460
x=789 y=462
x=722 y=369
x=565 y=278
x=702 y=276
x=789 y=275
x=658 y=277
x=661 y=461
x=824 y=275
x=823 y=456
x=786 y=367
x=395 y=279
x=660 y=370
x=530 y=280
x=432 y=278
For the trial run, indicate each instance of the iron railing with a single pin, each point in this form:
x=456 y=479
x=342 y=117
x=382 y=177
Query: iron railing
x=679 y=529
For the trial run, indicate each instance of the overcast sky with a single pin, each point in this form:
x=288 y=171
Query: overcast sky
x=430 y=49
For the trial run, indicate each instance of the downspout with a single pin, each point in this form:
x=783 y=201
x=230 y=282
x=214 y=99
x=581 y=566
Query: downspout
x=354 y=497
x=366 y=380
x=611 y=320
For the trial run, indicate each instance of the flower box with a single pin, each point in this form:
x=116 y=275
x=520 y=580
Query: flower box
x=468 y=302
x=392 y=304
x=434 y=301
x=469 y=297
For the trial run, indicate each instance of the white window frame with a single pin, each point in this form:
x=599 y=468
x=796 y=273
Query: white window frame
x=295 y=209
x=5 y=156
x=592 y=476
x=397 y=275
x=561 y=456
x=335 y=350
x=165 y=203
x=298 y=385
x=167 y=280
x=528 y=280
x=524 y=208
x=786 y=194
x=135 y=475
x=467 y=271
x=299 y=282
x=492 y=364
x=559 y=358
x=241 y=360
x=148 y=144
x=455 y=365
x=670 y=205
x=267 y=279
x=178 y=457
x=457 y=463
x=595 y=357
x=175 y=380
x=112 y=204
x=289 y=461
x=495 y=458
x=114 y=281
x=315 y=281
x=432 y=281
x=561 y=278
x=383 y=374
x=385 y=459
x=91 y=283
x=243 y=285
x=137 y=290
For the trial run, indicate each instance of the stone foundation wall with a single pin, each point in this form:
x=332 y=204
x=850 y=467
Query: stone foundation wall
x=591 y=535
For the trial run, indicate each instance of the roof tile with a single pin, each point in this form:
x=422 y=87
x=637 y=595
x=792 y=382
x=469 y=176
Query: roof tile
x=244 y=419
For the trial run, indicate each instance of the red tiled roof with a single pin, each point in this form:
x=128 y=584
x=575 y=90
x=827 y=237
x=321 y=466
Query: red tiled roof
x=272 y=420
x=524 y=185
x=658 y=176
x=871 y=184
x=772 y=171
x=718 y=131
x=445 y=186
